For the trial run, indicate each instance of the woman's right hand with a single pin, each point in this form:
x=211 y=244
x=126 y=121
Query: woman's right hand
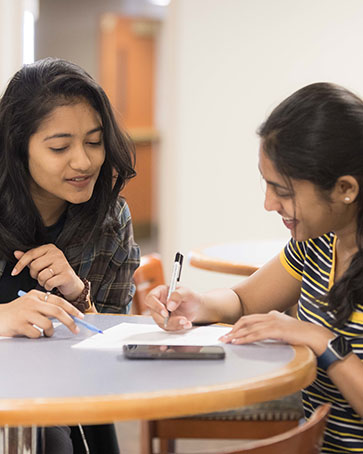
x=18 y=317
x=183 y=304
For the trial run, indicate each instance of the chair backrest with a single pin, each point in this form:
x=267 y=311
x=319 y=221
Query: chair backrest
x=150 y=274
x=304 y=439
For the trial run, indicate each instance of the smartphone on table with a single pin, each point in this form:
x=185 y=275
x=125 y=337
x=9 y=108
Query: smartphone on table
x=146 y=351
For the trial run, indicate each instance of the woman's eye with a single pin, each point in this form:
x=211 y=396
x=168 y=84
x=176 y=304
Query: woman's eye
x=59 y=149
x=283 y=194
x=95 y=144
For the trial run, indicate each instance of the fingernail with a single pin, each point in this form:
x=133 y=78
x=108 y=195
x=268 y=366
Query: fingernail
x=14 y=271
x=80 y=315
x=77 y=330
x=233 y=341
x=185 y=323
x=171 y=305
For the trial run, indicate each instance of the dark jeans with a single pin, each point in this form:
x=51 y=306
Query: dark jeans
x=100 y=439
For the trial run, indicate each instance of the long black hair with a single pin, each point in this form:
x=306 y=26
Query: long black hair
x=316 y=134
x=31 y=95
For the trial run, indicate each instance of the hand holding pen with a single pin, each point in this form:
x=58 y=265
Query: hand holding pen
x=21 y=316
x=185 y=305
x=175 y=278
x=57 y=308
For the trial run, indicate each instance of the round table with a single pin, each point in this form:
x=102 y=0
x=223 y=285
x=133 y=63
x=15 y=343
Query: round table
x=240 y=258
x=46 y=382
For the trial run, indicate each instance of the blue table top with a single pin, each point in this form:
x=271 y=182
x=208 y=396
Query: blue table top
x=46 y=370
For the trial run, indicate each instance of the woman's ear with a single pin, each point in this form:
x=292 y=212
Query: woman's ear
x=346 y=189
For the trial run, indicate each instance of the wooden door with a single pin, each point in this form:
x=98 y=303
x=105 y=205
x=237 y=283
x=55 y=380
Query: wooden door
x=127 y=60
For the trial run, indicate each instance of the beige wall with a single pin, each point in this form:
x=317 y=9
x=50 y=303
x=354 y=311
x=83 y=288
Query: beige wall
x=223 y=66
x=11 y=39
x=226 y=64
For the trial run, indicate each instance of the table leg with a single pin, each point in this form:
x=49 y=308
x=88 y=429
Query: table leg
x=18 y=440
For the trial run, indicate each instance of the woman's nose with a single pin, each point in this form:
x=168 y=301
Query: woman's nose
x=80 y=159
x=272 y=202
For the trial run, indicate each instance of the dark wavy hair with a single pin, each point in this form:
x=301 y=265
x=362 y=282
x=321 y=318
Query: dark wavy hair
x=31 y=95
x=316 y=134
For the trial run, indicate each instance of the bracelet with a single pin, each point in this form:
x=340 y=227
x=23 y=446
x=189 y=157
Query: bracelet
x=83 y=301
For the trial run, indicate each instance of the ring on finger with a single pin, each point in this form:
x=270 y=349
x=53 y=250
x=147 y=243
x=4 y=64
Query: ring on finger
x=51 y=271
x=46 y=297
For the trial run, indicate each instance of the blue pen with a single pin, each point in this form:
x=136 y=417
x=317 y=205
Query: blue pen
x=76 y=319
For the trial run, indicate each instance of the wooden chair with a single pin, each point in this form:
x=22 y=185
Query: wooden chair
x=150 y=274
x=252 y=422
x=305 y=439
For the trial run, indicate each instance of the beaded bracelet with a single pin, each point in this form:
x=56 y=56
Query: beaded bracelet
x=83 y=301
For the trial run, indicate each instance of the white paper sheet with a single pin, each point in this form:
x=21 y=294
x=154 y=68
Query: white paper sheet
x=132 y=333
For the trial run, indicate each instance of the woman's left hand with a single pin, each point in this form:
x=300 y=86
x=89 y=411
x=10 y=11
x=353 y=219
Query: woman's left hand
x=48 y=265
x=278 y=326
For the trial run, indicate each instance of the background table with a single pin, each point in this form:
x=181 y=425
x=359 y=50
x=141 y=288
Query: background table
x=242 y=258
x=46 y=382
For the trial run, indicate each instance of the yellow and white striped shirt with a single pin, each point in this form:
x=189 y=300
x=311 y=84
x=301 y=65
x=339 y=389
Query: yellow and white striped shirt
x=313 y=263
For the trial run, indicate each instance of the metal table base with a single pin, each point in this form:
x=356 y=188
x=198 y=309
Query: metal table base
x=18 y=440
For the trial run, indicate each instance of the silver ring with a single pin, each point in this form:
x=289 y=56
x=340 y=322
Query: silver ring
x=51 y=271
x=46 y=297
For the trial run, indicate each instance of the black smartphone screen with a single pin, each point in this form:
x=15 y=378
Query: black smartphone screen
x=133 y=351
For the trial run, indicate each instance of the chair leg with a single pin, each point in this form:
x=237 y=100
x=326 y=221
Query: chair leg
x=167 y=446
x=147 y=429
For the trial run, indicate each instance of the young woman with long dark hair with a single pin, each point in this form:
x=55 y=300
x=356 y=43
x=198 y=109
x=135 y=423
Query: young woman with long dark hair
x=66 y=236
x=311 y=158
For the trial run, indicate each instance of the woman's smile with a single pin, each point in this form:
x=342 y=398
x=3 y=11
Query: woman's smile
x=290 y=223
x=80 y=181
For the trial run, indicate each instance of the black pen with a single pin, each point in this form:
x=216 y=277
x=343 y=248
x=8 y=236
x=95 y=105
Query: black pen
x=175 y=277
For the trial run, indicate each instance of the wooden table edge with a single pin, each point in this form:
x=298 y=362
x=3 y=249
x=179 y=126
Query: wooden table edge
x=297 y=374
x=198 y=260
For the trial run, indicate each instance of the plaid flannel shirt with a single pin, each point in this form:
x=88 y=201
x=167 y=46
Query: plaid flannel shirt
x=108 y=263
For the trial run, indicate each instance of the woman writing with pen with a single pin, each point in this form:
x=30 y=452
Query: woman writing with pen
x=311 y=159
x=66 y=237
